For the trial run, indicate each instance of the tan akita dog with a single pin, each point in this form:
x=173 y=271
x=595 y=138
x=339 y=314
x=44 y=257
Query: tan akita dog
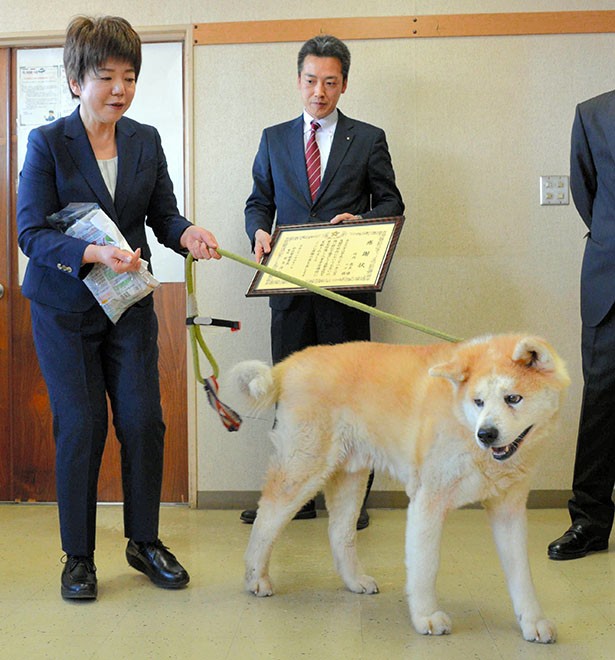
x=455 y=423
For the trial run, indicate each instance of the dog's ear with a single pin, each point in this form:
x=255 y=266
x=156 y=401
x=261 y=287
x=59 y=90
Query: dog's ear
x=454 y=370
x=535 y=353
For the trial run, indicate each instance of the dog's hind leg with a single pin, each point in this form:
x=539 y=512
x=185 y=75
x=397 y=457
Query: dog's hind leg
x=509 y=526
x=423 y=536
x=285 y=491
x=344 y=493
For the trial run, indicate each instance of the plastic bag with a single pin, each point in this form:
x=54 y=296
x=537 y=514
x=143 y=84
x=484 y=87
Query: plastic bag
x=114 y=292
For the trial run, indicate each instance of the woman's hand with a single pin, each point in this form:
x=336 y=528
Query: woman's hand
x=120 y=261
x=201 y=244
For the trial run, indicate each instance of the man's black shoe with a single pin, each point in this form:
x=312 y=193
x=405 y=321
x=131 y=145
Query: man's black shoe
x=306 y=512
x=575 y=543
x=160 y=565
x=248 y=516
x=79 y=578
x=363 y=519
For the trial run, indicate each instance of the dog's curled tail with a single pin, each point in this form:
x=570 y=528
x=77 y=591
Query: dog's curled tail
x=253 y=383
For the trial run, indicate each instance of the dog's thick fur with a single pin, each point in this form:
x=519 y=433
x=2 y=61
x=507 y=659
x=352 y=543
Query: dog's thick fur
x=455 y=423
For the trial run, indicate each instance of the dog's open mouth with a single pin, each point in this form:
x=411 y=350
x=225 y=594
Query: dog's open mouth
x=502 y=453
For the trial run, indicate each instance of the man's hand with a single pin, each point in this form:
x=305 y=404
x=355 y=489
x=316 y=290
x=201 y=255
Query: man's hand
x=201 y=244
x=262 y=244
x=344 y=216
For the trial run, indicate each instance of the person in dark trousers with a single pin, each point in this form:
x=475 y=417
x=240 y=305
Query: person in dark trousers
x=320 y=167
x=592 y=181
x=98 y=155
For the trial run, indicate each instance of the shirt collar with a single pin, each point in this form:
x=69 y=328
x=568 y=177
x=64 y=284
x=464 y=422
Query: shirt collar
x=326 y=123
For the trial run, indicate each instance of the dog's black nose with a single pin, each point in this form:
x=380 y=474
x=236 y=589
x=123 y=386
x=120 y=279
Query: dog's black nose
x=487 y=435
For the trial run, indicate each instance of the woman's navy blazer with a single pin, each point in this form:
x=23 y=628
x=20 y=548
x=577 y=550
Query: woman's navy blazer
x=60 y=168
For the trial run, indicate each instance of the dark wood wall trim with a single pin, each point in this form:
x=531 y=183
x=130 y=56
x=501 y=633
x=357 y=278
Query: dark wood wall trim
x=407 y=27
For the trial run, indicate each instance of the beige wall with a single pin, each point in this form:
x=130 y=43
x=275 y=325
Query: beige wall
x=472 y=124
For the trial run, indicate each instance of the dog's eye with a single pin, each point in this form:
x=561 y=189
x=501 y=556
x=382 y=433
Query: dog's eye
x=513 y=399
x=479 y=403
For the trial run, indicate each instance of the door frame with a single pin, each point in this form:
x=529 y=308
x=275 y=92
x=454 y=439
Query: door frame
x=8 y=239
x=6 y=272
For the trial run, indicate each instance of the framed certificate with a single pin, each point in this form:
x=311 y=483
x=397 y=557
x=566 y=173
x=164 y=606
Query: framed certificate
x=350 y=256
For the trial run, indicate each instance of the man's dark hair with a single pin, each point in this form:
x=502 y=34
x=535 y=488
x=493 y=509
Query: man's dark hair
x=325 y=45
x=92 y=41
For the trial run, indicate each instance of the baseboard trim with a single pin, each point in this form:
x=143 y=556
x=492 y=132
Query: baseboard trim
x=383 y=499
x=548 y=499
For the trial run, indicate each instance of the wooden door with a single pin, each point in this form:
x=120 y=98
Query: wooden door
x=26 y=436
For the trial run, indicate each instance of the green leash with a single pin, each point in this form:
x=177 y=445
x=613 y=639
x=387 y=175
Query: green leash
x=338 y=297
x=230 y=419
x=194 y=330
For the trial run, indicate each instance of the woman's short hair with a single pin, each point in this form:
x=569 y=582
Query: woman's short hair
x=92 y=41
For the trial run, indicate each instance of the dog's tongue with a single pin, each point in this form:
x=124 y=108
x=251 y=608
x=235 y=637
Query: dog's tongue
x=500 y=451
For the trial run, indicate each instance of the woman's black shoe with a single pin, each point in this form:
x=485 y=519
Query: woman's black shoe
x=79 y=578
x=160 y=565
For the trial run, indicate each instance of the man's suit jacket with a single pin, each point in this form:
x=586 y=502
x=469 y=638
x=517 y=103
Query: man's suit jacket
x=358 y=179
x=60 y=168
x=592 y=181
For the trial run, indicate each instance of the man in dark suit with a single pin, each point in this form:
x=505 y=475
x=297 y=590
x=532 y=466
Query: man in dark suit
x=592 y=180
x=354 y=180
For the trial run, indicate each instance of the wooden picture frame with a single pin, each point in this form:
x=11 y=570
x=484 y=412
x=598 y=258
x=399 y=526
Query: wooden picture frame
x=351 y=256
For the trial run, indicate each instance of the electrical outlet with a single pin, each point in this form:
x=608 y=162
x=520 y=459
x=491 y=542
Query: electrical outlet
x=554 y=190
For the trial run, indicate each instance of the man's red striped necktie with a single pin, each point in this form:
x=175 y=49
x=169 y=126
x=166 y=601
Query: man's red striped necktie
x=312 y=160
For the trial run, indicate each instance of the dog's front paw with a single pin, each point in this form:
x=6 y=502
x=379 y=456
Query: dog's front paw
x=542 y=631
x=363 y=584
x=260 y=587
x=437 y=623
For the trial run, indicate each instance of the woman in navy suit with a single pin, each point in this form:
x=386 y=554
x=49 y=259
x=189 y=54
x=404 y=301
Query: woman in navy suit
x=98 y=155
